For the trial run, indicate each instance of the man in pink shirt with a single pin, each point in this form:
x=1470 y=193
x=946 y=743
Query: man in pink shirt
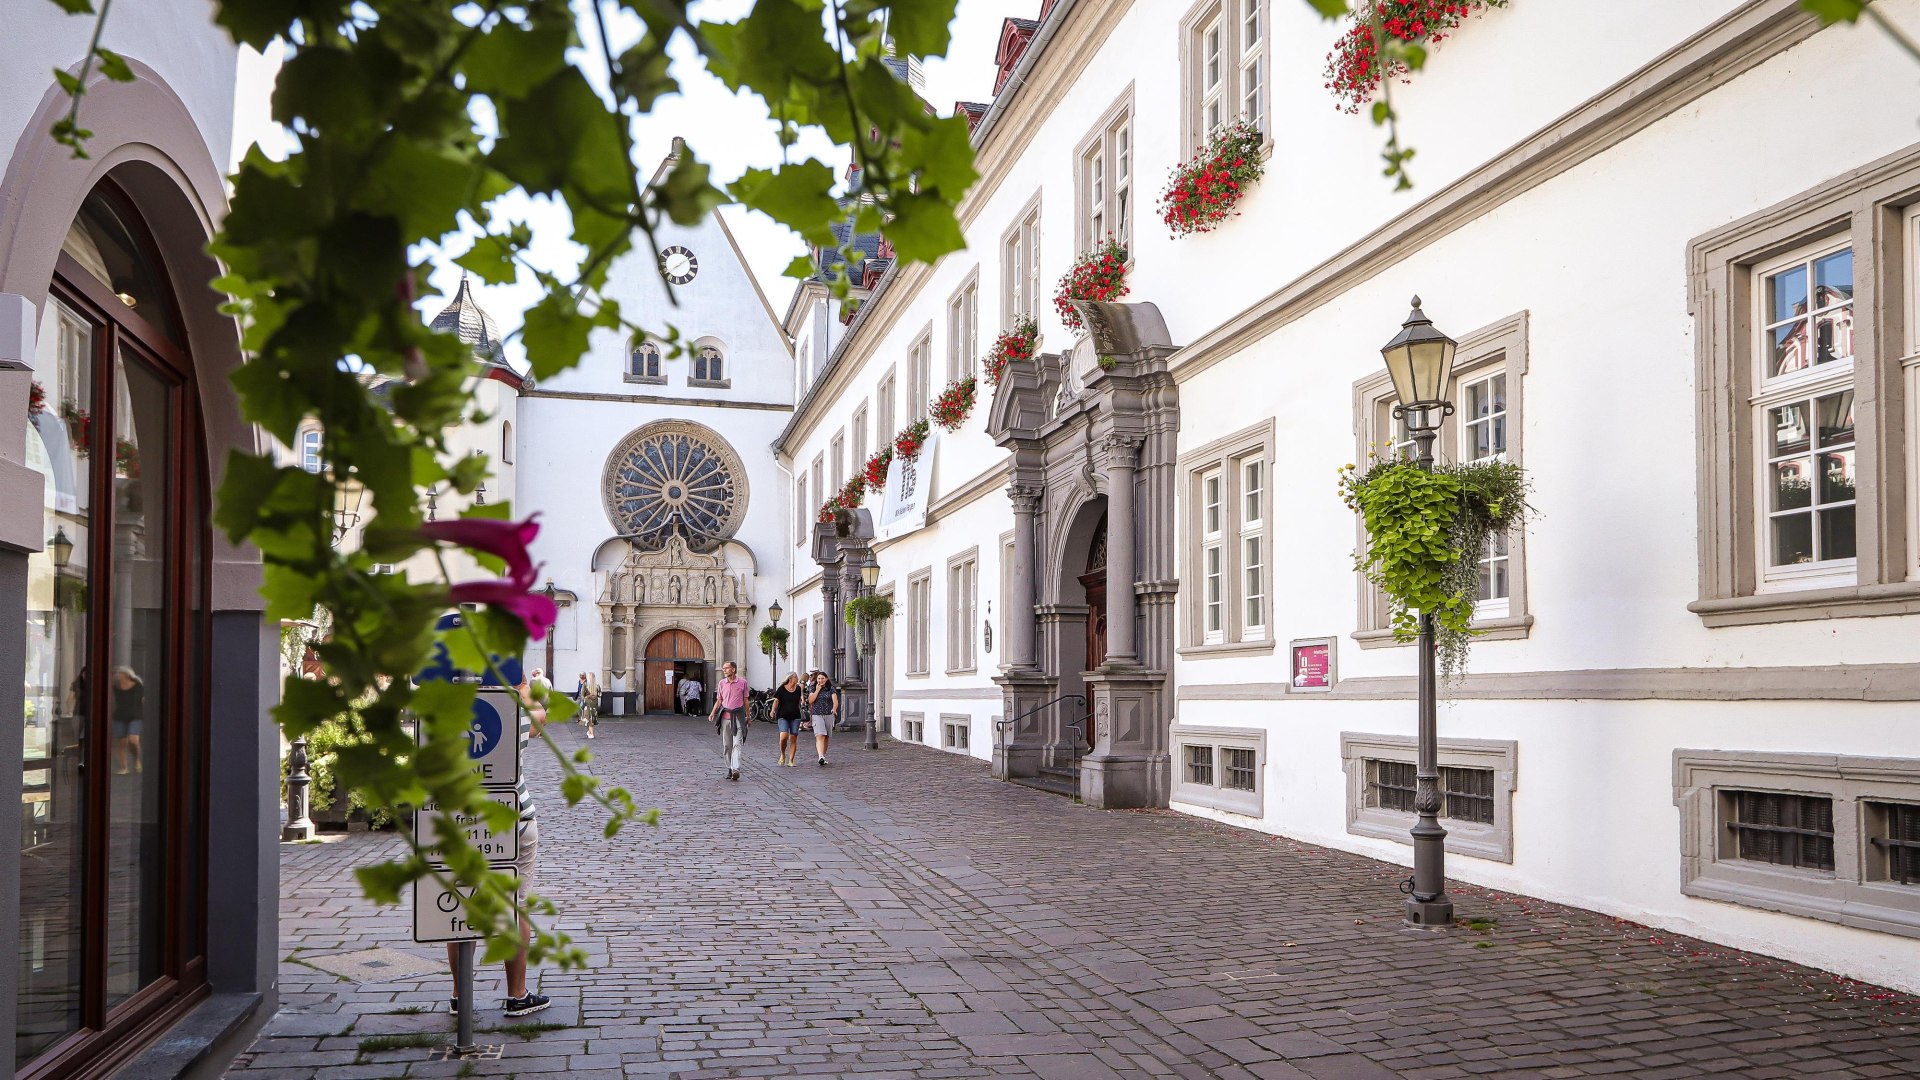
x=730 y=717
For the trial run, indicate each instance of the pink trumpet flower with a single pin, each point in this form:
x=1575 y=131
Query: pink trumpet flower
x=508 y=540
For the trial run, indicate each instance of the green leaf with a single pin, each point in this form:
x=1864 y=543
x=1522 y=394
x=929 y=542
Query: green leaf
x=514 y=58
x=799 y=196
x=1833 y=11
x=383 y=881
x=75 y=7
x=113 y=65
x=924 y=227
x=1329 y=9
x=644 y=76
x=801 y=267
x=69 y=82
x=685 y=194
x=920 y=27
x=555 y=332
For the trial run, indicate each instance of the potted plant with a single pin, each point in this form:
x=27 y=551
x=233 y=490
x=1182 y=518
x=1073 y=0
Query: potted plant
x=873 y=609
x=1015 y=345
x=1356 y=64
x=1204 y=191
x=1100 y=274
x=875 y=470
x=773 y=640
x=36 y=399
x=1425 y=532
x=907 y=444
x=954 y=405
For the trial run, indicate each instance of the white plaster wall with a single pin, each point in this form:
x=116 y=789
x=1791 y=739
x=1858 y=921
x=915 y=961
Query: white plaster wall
x=176 y=38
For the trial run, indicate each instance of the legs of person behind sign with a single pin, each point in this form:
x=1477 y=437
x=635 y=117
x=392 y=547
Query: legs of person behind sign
x=521 y=1001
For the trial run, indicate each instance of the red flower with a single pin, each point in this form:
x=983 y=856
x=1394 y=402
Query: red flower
x=508 y=541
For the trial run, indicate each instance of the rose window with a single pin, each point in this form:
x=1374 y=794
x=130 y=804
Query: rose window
x=674 y=477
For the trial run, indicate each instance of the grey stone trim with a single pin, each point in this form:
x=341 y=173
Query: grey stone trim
x=955 y=562
x=1857 y=207
x=1255 y=440
x=949 y=723
x=918 y=629
x=913 y=727
x=711 y=384
x=1214 y=796
x=657 y=399
x=1508 y=629
x=1840 y=682
x=1121 y=109
x=1852 y=894
x=644 y=380
x=1226 y=648
x=991 y=481
x=1721 y=52
x=1477 y=839
x=958 y=693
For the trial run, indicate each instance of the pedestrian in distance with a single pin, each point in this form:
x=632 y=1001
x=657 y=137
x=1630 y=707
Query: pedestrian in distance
x=730 y=717
x=521 y=1001
x=823 y=702
x=690 y=691
x=789 y=708
x=129 y=709
x=589 y=697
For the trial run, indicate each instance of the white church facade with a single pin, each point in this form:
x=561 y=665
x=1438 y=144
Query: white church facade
x=663 y=515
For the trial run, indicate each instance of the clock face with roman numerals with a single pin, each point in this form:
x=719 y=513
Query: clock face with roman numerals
x=679 y=265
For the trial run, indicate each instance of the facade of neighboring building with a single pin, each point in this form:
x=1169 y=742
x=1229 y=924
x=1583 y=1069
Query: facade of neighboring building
x=662 y=513
x=138 y=874
x=1690 y=702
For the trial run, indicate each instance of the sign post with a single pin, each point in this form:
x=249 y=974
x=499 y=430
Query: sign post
x=493 y=752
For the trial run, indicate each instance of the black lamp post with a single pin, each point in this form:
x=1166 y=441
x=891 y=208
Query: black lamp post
x=346 y=506
x=774 y=611
x=60 y=548
x=870 y=579
x=552 y=598
x=1420 y=362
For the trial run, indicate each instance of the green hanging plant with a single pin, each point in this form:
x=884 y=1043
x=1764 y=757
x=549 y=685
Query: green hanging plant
x=773 y=639
x=1425 y=530
x=875 y=609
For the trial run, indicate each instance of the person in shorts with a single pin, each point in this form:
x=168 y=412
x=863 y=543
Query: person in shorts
x=789 y=709
x=823 y=702
x=521 y=1001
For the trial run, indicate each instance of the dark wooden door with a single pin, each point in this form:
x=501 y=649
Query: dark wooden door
x=664 y=655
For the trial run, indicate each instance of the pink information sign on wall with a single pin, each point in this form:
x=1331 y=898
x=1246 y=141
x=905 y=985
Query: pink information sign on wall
x=1313 y=664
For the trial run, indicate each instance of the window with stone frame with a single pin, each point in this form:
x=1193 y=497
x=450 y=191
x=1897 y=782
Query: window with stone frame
x=643 y=363
x=506 y=442
x=883 y=414
x=1806 y=358
x=1224 y=67
x=956 y=733
x=1477 y=781
x=837 y=455
x=920 y=376
x=963 y=329
x=819 y=489
x=310 y=460
x=913 y=727
x=919 y=621
x=802 y=511
x=1020 y=289
x=1105 y=179
x=859 y=459
x=1825 y=836
x=1006 y=591
x=801 y=659
x=963 y=590
x=820 y=657
x=1229 y=551
x=1490 y=369
x=1220 y=768
x=709 y=367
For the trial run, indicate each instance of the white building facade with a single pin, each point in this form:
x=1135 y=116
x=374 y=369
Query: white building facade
x=663 y=516
x=1689 y=706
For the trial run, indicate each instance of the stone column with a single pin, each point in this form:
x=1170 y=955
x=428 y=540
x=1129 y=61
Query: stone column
x=1123 y=455
x=1019 y=619
x=830 y=624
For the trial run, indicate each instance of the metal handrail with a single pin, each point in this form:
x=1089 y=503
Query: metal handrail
x=1001 y=727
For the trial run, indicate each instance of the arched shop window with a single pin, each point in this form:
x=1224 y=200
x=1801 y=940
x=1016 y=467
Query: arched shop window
x=113 y=860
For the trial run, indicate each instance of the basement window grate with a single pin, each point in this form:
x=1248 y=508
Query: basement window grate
x=1782 y=830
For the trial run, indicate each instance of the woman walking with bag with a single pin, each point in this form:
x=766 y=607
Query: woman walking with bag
x=823 y=702
x=589 y=701
x=789 y=708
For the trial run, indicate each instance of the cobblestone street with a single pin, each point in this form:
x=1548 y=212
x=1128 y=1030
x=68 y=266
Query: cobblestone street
x=901 y=914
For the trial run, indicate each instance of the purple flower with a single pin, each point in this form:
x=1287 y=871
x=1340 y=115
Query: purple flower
x=508 y=540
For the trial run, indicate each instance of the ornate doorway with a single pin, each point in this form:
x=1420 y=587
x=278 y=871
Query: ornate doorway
x=672 y=655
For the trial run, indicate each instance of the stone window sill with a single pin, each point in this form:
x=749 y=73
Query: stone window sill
x=1229 y=648
x=1508 y=629
x=1845 y=602
x=647 y=380
x=711 y=384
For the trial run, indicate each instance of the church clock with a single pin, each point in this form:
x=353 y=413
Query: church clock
x=679 y=264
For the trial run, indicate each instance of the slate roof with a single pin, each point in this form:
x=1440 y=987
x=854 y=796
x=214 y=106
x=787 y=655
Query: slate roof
x=465 y=319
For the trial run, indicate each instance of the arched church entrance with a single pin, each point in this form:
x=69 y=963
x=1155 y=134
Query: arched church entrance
x=673 y=656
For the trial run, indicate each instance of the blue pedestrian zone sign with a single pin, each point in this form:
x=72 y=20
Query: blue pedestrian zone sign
x=440 y=667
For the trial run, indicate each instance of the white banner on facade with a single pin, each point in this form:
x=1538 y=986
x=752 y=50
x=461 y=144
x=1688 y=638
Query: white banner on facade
x=909 y=481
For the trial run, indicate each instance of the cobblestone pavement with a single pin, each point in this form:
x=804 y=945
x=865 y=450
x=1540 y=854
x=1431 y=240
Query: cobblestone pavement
x=901 y=914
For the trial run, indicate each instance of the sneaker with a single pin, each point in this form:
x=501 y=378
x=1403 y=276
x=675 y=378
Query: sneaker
x=734 y=775
x=527 y=1006
x=791 y=763
x=823 y=761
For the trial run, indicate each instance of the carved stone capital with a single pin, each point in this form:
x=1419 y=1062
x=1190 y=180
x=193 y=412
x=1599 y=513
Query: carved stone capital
x=1025 y=497
x=1123 y=448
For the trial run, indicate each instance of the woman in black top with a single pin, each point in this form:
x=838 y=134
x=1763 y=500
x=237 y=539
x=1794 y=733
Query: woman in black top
x=788 y=709
x=129 y=708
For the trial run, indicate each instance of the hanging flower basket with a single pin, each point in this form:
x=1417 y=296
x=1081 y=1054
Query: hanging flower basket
x=1100 y=274
x=852 y=494
x=126 y=459
x=1012 y=346
x=36 y=399
x=907 y=444
x=1355 y=67
x=954 y=404
x=79 y=427
x=874 y=472
x=873 y=609
x=1204 y=192
x=773 y=639
x=1425 y=532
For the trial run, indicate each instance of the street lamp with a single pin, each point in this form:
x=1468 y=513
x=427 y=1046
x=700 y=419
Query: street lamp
x=60 y=548
x=346 y=506
x=870 y=578
x=552 y=675
x=1420 y=362
x=774 y=611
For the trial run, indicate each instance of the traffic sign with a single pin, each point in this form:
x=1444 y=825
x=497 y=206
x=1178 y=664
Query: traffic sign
x=440 y=667
x=493 y=737
x=439 y=913
x=496 y=846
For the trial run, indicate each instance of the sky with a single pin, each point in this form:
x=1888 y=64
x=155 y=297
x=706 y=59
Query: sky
x=730 y=133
